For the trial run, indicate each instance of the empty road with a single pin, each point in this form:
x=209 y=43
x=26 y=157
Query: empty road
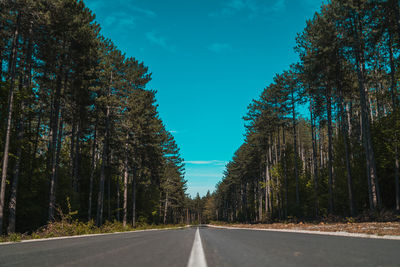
x=203 y=246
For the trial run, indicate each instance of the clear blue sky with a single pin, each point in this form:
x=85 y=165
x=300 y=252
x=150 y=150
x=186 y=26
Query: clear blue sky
x=209 y=59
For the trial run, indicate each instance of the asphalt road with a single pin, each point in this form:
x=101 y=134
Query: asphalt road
x=219 y=247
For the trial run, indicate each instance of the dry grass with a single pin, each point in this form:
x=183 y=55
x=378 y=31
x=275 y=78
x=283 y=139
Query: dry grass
x=72 y=228
x=373 y=228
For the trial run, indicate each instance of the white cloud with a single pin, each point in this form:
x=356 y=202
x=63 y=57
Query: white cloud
x=127 y=22
x=198 y=162
x=279 y=6
x=120 y=20
x=120 y=16
x=219 y=47
x=94 y=4
x=313 y=5
x=237 y=4
x=206 y=162
x=206 y=175
x=251 y=7
x=110 y=20
x=160 y=41
x=120 y=5
x=147 y=12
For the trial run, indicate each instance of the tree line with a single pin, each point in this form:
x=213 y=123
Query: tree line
x=323 y=137
x=78 y=127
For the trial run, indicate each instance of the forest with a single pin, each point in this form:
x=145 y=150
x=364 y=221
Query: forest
x=80 y=133
x=322 y=140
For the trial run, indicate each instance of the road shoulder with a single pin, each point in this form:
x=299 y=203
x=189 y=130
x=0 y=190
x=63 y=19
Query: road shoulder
x=345 y=234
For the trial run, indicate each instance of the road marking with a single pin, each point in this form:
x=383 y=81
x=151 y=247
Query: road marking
x=197 y=257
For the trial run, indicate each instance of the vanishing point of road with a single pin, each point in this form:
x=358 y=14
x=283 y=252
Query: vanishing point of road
x=204 y=246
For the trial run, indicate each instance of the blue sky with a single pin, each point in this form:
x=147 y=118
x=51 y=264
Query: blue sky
x=209 y=59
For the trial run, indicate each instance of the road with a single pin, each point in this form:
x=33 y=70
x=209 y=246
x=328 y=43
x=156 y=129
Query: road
x=208 y=247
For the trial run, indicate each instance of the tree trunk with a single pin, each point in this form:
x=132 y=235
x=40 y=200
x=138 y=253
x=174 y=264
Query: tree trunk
x=366 y=129
x=12 y=65
x=100 y=198
x=133 y=201
x=296 y=175
x=330 y=154
x=53 y=184
x=118 y=198
x=77 y=160
x=165 y=207
x=244 y=203
x=397 y=14
x=12 y=205
x=270 y=181
x=370 y=108
x=285 y=181
x=276 y=149
x=349 y=110
x=367 y=141
x=303 y=158
x=55 y=127
x=396 y=177
x=20 y=136
x=37 y=135
x=260 y=198
x=267 y=188
x=393 y=92
x=345 y=134
x=109 y=187
x=93 y=165
x=315 y=160
x=72 y=150
x=125 y=204
x=320 y=143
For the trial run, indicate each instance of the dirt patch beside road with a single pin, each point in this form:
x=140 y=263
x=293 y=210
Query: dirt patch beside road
x=372 y=228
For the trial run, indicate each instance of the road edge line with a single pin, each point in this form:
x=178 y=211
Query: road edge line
x=197 y=257
x=344 y=234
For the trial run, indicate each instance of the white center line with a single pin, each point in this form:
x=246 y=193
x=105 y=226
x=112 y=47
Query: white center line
x=197 y=257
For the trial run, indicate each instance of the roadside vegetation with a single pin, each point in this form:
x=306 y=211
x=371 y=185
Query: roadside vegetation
x=68 y=225
x=73 y=228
